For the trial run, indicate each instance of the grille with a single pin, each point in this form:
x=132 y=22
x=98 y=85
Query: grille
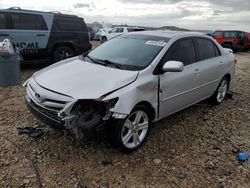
x=47 y=103
x=49 y=113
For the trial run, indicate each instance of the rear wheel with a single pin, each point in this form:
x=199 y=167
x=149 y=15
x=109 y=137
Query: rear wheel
x=228 y=45
x=61 y=53
x=131 y=133
x=104 y=39
x=220 y=93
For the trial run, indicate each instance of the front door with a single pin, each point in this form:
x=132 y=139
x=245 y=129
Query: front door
x=179 y=89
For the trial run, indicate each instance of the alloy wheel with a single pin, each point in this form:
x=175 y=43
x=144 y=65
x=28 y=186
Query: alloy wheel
x=135 y=129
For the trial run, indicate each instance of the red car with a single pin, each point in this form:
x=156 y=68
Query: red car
x=248 y=41
x=235 y=40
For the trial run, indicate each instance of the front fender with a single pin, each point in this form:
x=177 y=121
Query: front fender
x=145 y=88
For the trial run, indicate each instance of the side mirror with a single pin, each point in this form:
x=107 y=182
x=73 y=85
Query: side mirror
x=173 y=66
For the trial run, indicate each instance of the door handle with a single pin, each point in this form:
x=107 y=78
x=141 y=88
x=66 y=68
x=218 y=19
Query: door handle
x=4 y=35
x=40 y=35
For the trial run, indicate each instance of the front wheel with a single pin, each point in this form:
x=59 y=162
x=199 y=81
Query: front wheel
x=129 y=134
x=220 y=93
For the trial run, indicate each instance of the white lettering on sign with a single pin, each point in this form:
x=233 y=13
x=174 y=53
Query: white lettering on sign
x=156 y=43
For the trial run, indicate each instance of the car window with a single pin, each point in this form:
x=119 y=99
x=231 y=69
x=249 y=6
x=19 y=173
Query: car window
x=217 y=34
x=28 y=21
x=113 y=30
x=135 y=29
x=206 y=49
x=217 y=51
x=63 y=23
x=130 y=29
x=183 y=51
x=2 y=21
x=230 y=34
x=119 y=30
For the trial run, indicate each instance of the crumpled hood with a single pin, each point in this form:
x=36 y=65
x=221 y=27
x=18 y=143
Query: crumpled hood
x=83 y=80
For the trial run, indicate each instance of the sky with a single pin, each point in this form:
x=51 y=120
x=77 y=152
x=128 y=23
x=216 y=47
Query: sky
x=190 y=14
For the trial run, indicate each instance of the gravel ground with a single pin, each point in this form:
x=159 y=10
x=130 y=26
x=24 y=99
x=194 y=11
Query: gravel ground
x=196 y=147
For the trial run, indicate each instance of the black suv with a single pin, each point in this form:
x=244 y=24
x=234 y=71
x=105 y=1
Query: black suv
x=42 y=35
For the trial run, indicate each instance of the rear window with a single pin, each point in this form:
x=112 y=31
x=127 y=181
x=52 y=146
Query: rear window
x=69 y=24
x=2 y=21
x=28 y=21
x=207 y=49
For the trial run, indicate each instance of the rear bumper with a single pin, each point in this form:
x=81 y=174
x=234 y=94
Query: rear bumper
x=46 y=116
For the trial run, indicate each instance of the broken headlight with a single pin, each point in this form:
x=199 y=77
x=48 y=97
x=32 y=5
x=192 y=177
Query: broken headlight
x=111 y=103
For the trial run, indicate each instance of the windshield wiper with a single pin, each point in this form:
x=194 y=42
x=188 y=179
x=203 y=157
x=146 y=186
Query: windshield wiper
x=108 y=62
x=94 y=60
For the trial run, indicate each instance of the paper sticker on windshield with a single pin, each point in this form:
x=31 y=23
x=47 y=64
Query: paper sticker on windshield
x=156 y=43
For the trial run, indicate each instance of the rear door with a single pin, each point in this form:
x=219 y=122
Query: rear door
x=179 y=89
x=70 y=31
x=29 y=32
x=210 y=66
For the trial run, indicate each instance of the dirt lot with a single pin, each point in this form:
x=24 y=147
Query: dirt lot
x=193 y=148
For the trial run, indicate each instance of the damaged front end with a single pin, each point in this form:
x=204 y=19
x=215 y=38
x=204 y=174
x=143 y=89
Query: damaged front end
x=86 y=115
x=60 y=111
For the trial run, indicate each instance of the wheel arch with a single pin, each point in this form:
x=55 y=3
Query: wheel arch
x=227 y=42
x=150 y=108
x=228 y=76
x=59 y=44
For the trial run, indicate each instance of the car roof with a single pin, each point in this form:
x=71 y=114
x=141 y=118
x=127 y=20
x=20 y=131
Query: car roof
x=228 y=31
x=19 y=10
x=170 y=34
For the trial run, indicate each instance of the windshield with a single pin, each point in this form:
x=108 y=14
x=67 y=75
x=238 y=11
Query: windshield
x=132 y=52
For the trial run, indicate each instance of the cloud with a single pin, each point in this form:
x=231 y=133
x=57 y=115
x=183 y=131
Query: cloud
x=81 y=5
x=89 y=6
x=190 y=14
x=233 y=4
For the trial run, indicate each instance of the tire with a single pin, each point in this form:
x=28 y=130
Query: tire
x=62 y=52
x=128 y=135
x=221 y=91
x=228 y=45
x=104 y=39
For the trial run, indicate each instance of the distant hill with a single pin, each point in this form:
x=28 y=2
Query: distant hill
x=171 y=28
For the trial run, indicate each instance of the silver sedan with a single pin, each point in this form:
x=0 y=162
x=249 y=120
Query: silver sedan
x=130 y=81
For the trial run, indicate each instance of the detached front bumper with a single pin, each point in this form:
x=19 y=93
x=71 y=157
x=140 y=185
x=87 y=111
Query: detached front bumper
x=47 y=116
